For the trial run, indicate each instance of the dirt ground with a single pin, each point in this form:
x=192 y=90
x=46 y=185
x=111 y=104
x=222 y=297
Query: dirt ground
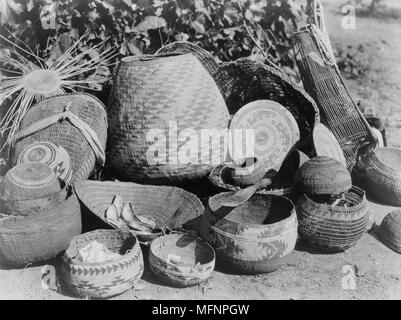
x=308 y=274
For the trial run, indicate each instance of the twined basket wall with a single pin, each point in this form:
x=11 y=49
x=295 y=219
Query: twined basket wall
x=89 y=109
x=152 y=101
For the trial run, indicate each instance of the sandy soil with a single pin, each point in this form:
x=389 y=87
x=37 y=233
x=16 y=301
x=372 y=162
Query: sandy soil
x=308 y=274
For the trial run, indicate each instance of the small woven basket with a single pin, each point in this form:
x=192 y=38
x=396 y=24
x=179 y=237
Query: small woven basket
x=103 y=280
x=181 y=260
x=88 y=109
x=383 y=174
x=323 y=175
x=30 y=188
x=154 y=101
x=390 y=230
x=333 y=228
x=253 y=238
x=34 y=239
x=170 y=207
x=245 y=81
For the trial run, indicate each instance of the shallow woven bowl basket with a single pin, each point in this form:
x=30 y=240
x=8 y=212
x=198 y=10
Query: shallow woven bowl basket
x=38 y=238
x=181 y=260
x=390 y=230
x=89 y=109
x=333 y=228
x=323 y=175
x=253 y=238
x=383 y=174
x=30 y=188
x=169 y=206
x=156 y=103
x=103 y=280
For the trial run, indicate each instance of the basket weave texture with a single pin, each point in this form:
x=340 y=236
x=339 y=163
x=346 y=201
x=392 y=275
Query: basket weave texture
x=183 y=47
x=30 y=188
x=103 y=280
x=149 y=93
x=89 y=109
x=169 y=206
x=390 y=230
x=196 y=263
x=383 y=174
x=333 y=229
x=253 y=238
x=37 y=238
x=244 y=81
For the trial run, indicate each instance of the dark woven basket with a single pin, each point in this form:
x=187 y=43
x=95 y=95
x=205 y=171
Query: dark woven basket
x=103 y=280
x=333 y=228
x=253 y=238
x=390 y=230
x=245 y=81
x=33 y=239
x=183 y=47
x=89 y=109
x=196 y=259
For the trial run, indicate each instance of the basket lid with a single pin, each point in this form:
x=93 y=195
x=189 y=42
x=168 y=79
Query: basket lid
x=275 y=132
x=29 y=180
x=55 y=157
x=326 y=144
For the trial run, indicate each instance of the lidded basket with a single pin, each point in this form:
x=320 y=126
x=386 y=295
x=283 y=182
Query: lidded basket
x=30 y=187
x=159 y=106
x=323 y=175
x=390 y=230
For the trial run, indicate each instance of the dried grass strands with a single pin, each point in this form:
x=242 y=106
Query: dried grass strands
x=33 y=81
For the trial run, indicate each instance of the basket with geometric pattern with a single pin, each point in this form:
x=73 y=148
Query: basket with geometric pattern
x=103 y=280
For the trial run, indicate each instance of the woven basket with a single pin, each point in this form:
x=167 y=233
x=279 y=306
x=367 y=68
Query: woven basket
x=30 y=188
x=390 y=230
x=33 y=239
x=170 y=207
x=383 y=174
x=253 y=238
x=103 y=280
x=89 y=109
x=246 y=172
x=195 y=259
x=152 y=97
x=323 y=81
x=245 y=81
x=333 y=228
x=183 y=47
x=323 y=175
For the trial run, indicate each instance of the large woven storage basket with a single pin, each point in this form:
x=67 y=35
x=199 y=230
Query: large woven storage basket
x=244 y=81
x=333 y=228
x=88 y=109
x=170 y=207
x=103 y=280
x=155 y=98
x=253 y=238
x=37 y=238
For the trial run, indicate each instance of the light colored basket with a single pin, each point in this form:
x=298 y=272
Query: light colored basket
x=197 y=259
x=63 y=133
x=103 y=280
x=30 y=188
x=170 y=207
x=383 y=174
x=38 y=238
x=323 y=175
x=156 y=93
x=390 y=230
x=246 y=174
x=333 y=228
x=253 y=238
